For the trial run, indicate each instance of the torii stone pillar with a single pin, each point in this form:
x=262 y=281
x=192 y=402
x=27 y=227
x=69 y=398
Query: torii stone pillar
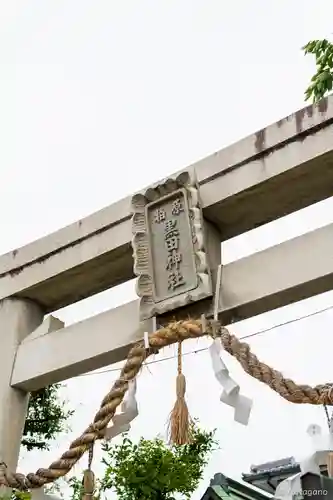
x=18 y=318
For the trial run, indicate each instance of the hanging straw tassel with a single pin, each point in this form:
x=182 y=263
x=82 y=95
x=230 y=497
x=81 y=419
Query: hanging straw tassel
x=88 y=481
x=329 y=461
x=180 y=421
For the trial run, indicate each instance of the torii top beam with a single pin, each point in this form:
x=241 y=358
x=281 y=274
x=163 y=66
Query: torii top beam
x=280 y=169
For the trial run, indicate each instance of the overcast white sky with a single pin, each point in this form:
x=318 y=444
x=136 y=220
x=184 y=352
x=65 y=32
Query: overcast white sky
x=99 y=98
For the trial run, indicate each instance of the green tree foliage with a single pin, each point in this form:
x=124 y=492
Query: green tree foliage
x=46 y=418
x=322 y=81
x=152 y=470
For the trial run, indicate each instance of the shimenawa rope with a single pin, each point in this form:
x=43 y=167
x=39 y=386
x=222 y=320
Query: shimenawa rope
x=175 y=332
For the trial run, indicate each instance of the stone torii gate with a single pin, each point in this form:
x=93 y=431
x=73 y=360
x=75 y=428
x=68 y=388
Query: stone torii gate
x=274 y=172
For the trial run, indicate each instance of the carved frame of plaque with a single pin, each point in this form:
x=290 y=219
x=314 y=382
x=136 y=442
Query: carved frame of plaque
x=153 y=303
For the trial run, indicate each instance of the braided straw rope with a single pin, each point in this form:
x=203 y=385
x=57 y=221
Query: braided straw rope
x=175 y=332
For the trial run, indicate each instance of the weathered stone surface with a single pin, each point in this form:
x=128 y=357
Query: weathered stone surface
x=169 y=250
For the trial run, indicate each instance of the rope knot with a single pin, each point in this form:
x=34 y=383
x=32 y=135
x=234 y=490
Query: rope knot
x=180 y=386
x=325 y=395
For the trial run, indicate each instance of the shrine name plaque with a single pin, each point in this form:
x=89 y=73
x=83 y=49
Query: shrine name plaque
x=168 y=247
